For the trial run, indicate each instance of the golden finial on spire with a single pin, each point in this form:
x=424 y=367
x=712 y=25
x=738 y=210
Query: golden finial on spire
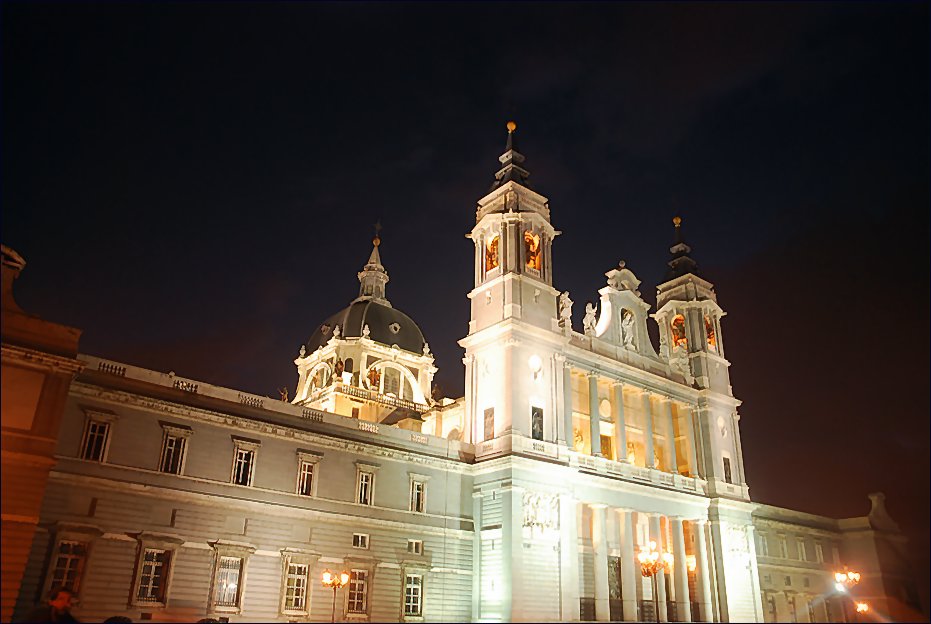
x=377 y=240
x=511 y=127
x=677 y=221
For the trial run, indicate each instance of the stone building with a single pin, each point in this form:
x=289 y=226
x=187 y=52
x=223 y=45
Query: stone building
x=527 y=499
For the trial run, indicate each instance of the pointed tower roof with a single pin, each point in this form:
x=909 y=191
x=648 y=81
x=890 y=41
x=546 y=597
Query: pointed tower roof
x=373 y=277
x=681 y=262
x=511 y=161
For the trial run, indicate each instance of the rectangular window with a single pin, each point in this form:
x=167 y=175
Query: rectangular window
x=819 y=552
x=392 y=382
x=355 y=412
x=413 y=594
x=788 y=581
x=243 y=466
x=783 y=547
x=536 y=423
x=358 y=582
x=94 y=445
x=415 y=547
x=153 y=578
x=305 y=479
x=418 y=496
x=764 y=546
x=727 y=470
x=806 y=582
x=802 y=555
x=172 y=454
x=69 y=564
x=366 y=484
x=295 y=597
x=360 y=540
x=606 y=450
x=228 y=575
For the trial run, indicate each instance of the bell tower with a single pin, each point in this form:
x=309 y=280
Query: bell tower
x=513 y=336
x=689 y=320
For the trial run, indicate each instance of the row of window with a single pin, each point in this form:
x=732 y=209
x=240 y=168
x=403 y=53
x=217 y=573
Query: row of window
x=802 y=549
x=96 y=441
x=154 y=572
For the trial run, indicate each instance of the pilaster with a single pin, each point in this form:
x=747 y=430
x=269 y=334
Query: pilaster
x=594 y=416
x=600 y=547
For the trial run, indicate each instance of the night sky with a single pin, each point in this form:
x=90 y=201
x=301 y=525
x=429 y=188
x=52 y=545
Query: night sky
x=194 y=185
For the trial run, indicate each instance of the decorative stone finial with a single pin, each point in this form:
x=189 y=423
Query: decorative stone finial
x=511 y=127
x=303 y=351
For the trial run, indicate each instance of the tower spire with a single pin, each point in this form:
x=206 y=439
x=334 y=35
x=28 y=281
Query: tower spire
x=373 y=276
x=511 y=161
x=681 y=262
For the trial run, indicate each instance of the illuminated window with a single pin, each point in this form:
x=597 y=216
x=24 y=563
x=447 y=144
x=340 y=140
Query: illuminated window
x=533 y=253
x=413 y=595
x=678 y=331
x=358 y=590
x=229 y=573
x=491 y=253
x=295 y=595
x=710 y=335
x=606 y=449
x=96 y=439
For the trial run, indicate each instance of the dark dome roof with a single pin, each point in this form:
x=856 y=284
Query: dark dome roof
x=382 y=321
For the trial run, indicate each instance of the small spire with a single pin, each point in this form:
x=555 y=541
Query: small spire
x=511 y=161
x=681 y=263
x=373 y=276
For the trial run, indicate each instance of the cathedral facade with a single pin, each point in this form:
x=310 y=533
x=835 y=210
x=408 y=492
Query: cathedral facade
x=527 y=499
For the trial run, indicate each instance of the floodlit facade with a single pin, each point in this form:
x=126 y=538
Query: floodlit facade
x=527 y=499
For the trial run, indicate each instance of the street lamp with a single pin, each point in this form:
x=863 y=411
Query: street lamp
x=843 y=581
x=334 y=582
x=653 y=562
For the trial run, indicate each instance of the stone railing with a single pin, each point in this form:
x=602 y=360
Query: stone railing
x=362 y=393
x=636 y=473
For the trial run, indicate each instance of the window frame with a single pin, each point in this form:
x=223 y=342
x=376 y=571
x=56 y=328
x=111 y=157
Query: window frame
x=363 y=537
x=412 y=548
x=307 y=458
x=365 y=468
x=101 y=417
x=167 y=543
x=416 y=479
x=244 y=445
x=413 y=567
x=66 y=532
x=181 y=432
x=293 y=556
x=227 y=550
x=420 y=595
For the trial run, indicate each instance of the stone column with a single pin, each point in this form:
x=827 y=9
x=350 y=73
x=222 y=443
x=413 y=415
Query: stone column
x=671 y=429
x=512 y=550
x=689 y=419
x=656 y=535
x=477 y=556
x=620 y=427
x=472 y=434
x=703 y=580
x=568 y=559
x=647 y=429
x=507 y=398
x=594 y=416
x=683 y=608
x=600 y=547
x=629 y=572
x=567 y=402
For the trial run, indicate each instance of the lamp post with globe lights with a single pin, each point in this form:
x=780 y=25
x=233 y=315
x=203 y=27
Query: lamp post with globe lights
x=652 y=562
x=843 y=581
x=334 y=582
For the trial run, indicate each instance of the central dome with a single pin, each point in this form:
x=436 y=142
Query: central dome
x=387 y=325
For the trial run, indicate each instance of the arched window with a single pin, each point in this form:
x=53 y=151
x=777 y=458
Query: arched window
x=491 y=253
x=678 y=331
x=347 y=365
x=533 y=256
x=392 y=379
